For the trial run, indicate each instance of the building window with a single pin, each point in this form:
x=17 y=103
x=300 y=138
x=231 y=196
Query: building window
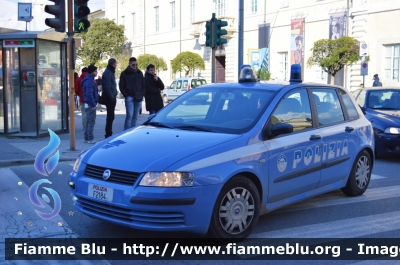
x=283 y=66
x=192 y=10
x=123 y=20
x=134 y=24
x=253 y=6
x=220 y=8
x=173 y=14
x=157 y=18
x=392 y=62
x=284 y=3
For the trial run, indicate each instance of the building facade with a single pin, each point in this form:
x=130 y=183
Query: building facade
x=277 y=33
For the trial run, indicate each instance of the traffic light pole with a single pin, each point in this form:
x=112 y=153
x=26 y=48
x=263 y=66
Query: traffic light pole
x=212 y=51
x=71 y=67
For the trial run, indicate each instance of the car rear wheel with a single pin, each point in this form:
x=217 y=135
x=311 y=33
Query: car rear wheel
x=360 y=175
x=236 y=210
x=165 y=99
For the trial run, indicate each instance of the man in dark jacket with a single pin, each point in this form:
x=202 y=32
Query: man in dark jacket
x=376 y=82
x=154 y=85
x=132 y=87
x=109 y=94
x=91 y=97
x=79 y=92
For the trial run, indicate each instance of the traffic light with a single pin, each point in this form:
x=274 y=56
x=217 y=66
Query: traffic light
x=209 y=34
x=81 y=12
x=58 y=10
x=218 y=32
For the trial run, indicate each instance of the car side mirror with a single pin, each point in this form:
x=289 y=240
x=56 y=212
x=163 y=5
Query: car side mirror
x=281 y=128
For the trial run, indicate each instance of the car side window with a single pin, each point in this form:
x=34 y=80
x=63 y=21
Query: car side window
x=185 y=84
x=193 y=84
x=327 y=105
x=173 y=85
x=179 y=84
x=350 y=108
x=294 y=108
x=361 y=98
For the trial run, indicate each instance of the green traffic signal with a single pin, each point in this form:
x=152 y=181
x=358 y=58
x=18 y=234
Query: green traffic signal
x=218 y=32
x=209 y=35
x=58 y=10
x=81 y=12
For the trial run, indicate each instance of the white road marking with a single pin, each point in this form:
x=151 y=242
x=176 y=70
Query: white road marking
x=345 y=228
x=338 y=198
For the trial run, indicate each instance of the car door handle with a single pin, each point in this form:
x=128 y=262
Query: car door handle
x=349 y=129
x=315 y=137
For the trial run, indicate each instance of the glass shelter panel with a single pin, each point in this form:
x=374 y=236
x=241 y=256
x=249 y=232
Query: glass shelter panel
x=1 y=91
x=12 y=90
x=50 y=83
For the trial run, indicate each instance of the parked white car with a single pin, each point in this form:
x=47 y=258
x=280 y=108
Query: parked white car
x=180 y=86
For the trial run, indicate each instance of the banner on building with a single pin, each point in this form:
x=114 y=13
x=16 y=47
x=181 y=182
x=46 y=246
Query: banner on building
x=263 y=45
x=337 y=25
x=297 y=42
x=337 y=29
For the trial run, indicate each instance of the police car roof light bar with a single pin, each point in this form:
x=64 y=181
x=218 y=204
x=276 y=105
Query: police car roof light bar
x=247 y=74
x=295 y=73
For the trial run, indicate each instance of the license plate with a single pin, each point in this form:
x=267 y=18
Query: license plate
x=100 y=192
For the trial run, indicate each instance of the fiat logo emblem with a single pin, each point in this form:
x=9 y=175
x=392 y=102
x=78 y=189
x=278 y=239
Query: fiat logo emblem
x=106 y=174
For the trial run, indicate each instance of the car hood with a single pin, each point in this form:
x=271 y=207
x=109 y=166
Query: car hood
x=149 y=148
x=391 y=116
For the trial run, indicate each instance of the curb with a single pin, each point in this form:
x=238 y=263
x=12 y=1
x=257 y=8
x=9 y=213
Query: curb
x=30 y=161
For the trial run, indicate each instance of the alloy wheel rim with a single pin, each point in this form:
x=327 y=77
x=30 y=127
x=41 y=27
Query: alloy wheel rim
x=236 y=211
x=362 y=172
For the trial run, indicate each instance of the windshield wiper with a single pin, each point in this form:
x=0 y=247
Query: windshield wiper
x=193 y=127
x=157 y=124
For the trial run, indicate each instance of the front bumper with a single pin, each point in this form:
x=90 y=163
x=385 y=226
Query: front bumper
x=387 y=143
x=148 y=208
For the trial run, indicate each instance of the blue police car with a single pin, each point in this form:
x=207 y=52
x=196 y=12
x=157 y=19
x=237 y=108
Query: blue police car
x=214 y=165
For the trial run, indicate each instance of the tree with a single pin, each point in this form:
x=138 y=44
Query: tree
x=187 y=62
x=333 y=55
x=145 y=59
x=103 y=40
x=263 y=74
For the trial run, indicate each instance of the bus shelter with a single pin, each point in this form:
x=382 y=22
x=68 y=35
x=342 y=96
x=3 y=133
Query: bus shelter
x=33 y=83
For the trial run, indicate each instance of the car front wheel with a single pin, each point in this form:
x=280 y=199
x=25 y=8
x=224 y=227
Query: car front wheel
x=236 y=210
x=360 y=175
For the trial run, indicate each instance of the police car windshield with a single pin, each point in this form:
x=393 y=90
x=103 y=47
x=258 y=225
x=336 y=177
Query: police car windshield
x=216 y=109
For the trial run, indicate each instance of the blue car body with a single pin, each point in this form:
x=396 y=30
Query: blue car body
x=285 y=169
x=383 y=114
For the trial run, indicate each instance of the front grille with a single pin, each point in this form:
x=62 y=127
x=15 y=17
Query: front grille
x=117 y=176
x=131 y=216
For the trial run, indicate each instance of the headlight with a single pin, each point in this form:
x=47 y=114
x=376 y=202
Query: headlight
x=168 y=179
x=77 y=164
x=392 y=130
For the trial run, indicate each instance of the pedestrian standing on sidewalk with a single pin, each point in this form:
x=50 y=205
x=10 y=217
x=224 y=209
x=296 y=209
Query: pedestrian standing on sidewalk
x=109 y=94
x=79 y=92
x=376 y=82
x=154 y=85
x=91 y=97
x=132 y=87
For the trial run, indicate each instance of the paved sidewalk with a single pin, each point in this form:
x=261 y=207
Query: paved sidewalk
x=18 y=151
